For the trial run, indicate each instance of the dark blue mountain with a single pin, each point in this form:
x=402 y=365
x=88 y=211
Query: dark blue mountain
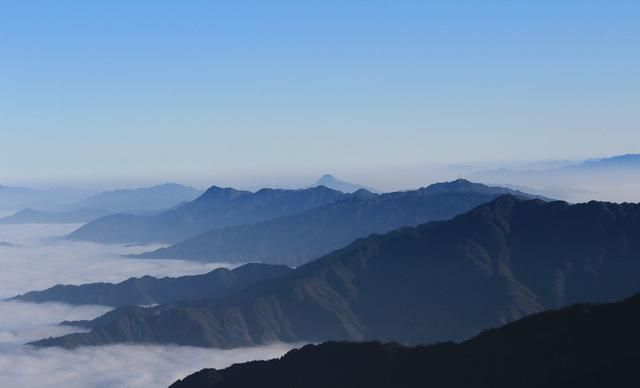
x=217 y=207
x=297 y=239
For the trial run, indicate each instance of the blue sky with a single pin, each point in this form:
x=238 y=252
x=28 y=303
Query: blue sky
x=206 y=90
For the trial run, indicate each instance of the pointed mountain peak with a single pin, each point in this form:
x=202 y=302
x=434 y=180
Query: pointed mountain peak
x=330 y=181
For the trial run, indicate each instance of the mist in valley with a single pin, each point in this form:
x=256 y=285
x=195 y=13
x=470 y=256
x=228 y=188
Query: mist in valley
x=36 y=257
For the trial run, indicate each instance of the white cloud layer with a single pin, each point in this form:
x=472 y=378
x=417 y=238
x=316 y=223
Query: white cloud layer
x=39 y=259
x=117 y=366
x=25 y=322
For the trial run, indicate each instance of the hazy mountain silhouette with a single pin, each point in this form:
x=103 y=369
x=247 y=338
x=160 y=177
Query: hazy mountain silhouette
x=217 y=207
x=297 y=239
x=15 y=198
x=136 y=201
x=31 y=216
x=147 y=199
x=440 y=281
x=149 y=290
x=614 y=178
x=334 y=183
x=581 y=346
x=628 y=161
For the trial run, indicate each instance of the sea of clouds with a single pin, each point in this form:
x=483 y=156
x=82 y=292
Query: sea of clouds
x=36 y=257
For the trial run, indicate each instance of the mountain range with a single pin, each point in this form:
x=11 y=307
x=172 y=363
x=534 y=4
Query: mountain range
x=334 y=183
x=587 y=345
x=445 y=280
x=612 y=178
x=137 y=201
x=146 y=199
x=217 y=207
x=32 y=216
x=296 y=239
x=149 y=290
x=13 y=198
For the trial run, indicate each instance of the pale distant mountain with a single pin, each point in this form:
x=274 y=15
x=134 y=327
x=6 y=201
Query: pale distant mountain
x=217 y=207
x=135 y=201
x=615 y=178
x=147 y=199
x=31 y=216
x=334 y=183
x=16 y=198
x=628 y=161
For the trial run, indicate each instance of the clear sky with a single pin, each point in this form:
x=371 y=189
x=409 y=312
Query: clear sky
x=108 y=90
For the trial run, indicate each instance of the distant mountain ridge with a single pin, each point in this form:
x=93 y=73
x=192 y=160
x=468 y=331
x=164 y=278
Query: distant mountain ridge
x=149 y=290
x=297 y=239
x=497 y=263
x=334 y=183
x=32 y=216
x=631 y=161
x=15 y=198
x=217 y=207
x=612 y=178
x=588 y=346
x=136 y=201
x=146 y=199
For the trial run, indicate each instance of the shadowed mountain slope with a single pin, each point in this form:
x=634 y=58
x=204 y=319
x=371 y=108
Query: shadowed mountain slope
x=297 y=239
x=217 y=207
x=580 y=346
x=149 y=290
x=440 y=281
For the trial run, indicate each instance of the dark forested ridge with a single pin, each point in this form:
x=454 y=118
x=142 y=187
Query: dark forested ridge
x=217 y=207
x=149 y=290
x=440 y=281
x=296 y=239
x=580 y=346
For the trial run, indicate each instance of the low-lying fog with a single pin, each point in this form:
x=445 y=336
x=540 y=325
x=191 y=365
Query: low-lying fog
x=35 y=257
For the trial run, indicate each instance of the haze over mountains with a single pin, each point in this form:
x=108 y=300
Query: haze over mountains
x=146 y=199
x=296 y=239
x=15 y=198
x=32 y=216
x=138 y=201
x=586 y=345
x=217 y=207
x=613 y=178
x=497 y=263
x=334 y=183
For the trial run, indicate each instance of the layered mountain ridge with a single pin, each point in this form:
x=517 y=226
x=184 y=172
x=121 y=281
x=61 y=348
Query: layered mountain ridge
x=141 y=201
x=444 y=280
x=585 y=345
x=149 y=290
x=217 y=207
x=296 y=239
